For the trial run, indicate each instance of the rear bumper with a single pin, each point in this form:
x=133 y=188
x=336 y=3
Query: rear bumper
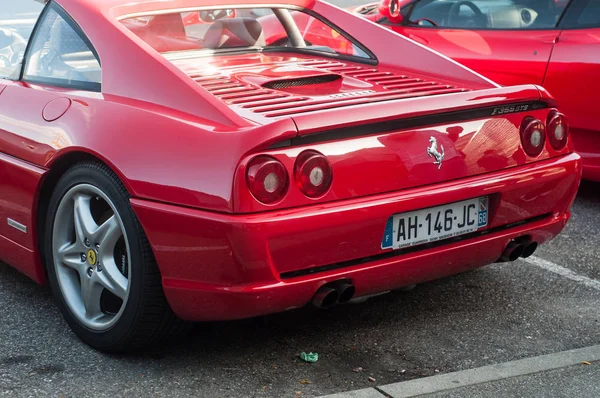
x=223 y=266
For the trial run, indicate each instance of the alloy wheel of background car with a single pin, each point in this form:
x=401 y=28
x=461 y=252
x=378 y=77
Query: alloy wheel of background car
x=100 y=265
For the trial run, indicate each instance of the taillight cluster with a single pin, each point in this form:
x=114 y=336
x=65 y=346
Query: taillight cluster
x=558 y=130
x=267 y=177
x=534 y=133
x=312 y=173
x=533 y=136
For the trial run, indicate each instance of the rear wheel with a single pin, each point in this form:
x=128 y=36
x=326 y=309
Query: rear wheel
x=100 y=265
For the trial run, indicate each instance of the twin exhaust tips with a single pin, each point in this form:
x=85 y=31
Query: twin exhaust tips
x=330 y=294
x=342 y=291
x=516 y=249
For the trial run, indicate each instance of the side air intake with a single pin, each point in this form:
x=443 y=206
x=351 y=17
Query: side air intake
x=302 y=81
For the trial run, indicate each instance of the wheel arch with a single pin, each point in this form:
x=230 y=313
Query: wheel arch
x=57 y=167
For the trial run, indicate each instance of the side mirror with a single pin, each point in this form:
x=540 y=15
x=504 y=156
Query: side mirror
x=391 y=10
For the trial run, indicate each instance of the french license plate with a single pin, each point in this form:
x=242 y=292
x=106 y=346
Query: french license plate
x=436 y=223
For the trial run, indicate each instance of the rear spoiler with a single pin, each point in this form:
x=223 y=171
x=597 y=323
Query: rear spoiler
x=427 y=110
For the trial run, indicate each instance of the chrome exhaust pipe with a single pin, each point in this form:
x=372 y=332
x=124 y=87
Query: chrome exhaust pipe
x=325 y=297
x=529 y=249
x=346 y=291
x=512 y=252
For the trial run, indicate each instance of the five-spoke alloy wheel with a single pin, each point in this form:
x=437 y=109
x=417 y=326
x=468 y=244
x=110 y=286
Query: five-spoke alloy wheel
x=100 y=265
x=91 y=256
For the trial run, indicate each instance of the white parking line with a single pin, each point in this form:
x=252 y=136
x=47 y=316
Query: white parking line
x=562 y=271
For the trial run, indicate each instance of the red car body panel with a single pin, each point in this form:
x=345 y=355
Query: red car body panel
x=566 y=62
x=359 y=162
x=249 y=261
x=19 y=187
x=181 y=149
x=507 y=59
x=573 y=78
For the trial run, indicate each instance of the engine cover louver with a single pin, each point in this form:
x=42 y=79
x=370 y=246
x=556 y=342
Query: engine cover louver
x=269 y=101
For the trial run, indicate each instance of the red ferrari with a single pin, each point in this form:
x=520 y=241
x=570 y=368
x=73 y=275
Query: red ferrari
x=183 y=160
x=553 y=43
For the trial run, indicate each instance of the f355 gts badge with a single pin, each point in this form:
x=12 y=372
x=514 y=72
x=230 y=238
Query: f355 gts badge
x=433 y=152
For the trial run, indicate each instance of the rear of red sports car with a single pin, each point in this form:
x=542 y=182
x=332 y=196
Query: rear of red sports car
x=385 y=164
x=248 y=159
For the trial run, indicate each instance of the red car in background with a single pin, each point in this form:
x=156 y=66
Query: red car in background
x=157 y=165
x=553 y=43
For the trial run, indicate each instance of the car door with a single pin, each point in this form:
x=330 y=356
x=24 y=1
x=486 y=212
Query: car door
x=573 y=78
x=17 y=178
x=507 y=41
x=40 y=85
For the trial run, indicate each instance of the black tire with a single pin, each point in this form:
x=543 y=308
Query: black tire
x=147 y=318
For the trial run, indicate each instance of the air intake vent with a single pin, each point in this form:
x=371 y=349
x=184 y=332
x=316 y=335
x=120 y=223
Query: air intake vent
x=304 y=81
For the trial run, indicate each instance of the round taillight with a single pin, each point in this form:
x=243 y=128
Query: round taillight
x=267 y=179
x=533 y=136
x=558 y=130
x=313 y=174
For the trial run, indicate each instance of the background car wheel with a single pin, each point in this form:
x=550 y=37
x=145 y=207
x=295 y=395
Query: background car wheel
x=100 y=265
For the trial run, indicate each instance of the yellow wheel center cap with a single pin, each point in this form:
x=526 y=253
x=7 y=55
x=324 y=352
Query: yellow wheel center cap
x=91 y=257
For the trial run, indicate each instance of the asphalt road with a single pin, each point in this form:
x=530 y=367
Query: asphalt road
x=499 y=313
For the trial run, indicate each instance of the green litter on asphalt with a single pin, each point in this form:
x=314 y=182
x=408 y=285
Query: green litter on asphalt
x=311 y=357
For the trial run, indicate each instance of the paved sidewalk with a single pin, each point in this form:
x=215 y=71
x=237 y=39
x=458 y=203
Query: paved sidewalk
x=567 y=373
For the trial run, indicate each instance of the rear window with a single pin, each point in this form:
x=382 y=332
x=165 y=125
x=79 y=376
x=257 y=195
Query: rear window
x=242 y=29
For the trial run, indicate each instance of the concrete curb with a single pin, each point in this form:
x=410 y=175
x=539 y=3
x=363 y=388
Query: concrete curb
x=485 y=374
